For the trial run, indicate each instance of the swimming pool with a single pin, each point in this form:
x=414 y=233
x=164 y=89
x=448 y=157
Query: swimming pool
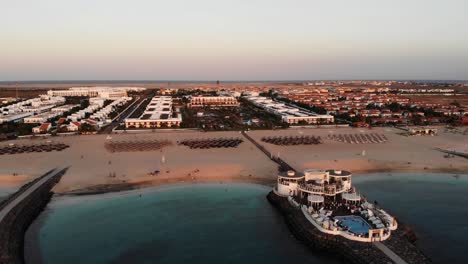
x=355 y=224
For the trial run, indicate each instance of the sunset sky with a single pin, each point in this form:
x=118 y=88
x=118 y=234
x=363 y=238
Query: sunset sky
x=233 y=39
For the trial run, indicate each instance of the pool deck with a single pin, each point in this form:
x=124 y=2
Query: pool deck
x=357 y=229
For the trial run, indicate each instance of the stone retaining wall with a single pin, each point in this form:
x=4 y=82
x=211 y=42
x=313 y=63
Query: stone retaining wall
x=15 y=224
x=346 y=250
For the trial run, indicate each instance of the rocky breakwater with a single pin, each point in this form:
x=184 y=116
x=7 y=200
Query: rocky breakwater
x=20 y=210
x=346 y=250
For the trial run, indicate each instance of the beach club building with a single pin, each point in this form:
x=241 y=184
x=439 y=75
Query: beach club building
x=329 y=201
x=158 y=113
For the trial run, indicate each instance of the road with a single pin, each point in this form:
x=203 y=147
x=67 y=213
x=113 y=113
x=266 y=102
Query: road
x=122 y=115
x=12 y=204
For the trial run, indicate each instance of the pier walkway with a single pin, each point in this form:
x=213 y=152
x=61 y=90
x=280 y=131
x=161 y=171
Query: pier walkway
x=285 y=166
x=394 y=257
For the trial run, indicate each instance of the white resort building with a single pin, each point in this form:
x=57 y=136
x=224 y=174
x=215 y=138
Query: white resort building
x=103 y=92
x=329 y=201
x=289 y=114
x=158 y=113
x=23 y=109
x=213 y=101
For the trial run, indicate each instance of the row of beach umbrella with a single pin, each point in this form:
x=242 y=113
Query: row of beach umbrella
x=211 y=143
x=18 y=149
x=292 y=140
x=136 y=145
x=364 y=138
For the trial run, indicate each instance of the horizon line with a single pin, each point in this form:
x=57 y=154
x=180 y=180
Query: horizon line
x=247 y=81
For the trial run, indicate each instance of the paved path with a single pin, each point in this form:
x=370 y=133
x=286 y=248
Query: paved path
x=12 y=204
x=394 y=257
x=122 y=115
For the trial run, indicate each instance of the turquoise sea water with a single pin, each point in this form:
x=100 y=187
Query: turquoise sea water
x=434 y=205
x=234 y=223
x=6 y=191
x=207 y=223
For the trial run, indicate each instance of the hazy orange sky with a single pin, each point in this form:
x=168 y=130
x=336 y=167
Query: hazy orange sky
x=233 y=39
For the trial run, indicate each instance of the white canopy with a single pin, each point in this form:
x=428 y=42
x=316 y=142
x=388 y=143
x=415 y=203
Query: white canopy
x=315 y=198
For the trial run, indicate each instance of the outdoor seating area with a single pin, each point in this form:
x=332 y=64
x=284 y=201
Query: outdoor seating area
x=18 y=149
x=354 y=220
x=292 y=140
x=378 y=218
x=368 y=138
x=136 y=145
x=212 y=143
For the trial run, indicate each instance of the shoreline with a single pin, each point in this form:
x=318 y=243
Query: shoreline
x=100 y=170
x=137 y=185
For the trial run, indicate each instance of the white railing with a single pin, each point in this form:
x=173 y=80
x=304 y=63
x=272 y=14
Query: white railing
x=345 y=234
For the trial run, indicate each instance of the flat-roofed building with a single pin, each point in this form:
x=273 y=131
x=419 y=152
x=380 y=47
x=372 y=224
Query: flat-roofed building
x=213 y=101
x=290 y=114
x=16 y=117
x=158 y=113
x=103 y=92
x=64 y=108
x=40 y=118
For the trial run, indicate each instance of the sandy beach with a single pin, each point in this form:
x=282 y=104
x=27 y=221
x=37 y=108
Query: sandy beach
x=91 y=164
x=399 y=154
x=92 y=167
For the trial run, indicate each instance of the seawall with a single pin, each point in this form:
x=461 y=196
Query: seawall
x=347 y=251
x=17 y=221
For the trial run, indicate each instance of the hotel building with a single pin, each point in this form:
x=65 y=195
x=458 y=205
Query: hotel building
x=112 y=93
x=214 y=101
x=289 y=114
x=158 y=113
x=18 y=111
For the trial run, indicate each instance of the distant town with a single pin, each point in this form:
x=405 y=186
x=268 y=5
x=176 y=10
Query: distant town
x=230 y=106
